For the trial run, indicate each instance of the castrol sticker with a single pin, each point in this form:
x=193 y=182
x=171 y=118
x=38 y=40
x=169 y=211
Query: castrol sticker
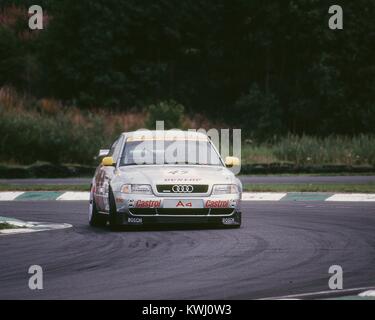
x=148 y=203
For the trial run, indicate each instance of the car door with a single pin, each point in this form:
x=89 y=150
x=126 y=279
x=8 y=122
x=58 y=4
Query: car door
x=104 y=177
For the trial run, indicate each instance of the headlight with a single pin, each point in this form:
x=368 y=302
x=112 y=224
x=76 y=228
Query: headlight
x=136 y=188
x=225 y=189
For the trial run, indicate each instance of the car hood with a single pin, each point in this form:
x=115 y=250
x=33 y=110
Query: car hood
x=174 y=174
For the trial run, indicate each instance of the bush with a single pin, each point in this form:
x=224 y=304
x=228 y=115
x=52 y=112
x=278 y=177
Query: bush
x=170 y=112
x=45 y=130
x=259 y=113
x=30 y=137
x=11 y=60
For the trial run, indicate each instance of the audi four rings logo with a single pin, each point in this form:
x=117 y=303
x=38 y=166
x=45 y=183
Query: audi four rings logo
x=182 y=188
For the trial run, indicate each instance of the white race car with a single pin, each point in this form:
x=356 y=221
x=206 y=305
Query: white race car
x=164 y=177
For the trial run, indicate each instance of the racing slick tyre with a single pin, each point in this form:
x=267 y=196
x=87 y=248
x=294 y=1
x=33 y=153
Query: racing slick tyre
x=95 y=218
x=113 y=224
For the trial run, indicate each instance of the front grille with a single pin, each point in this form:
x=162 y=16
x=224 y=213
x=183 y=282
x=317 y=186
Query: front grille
x=182 y=188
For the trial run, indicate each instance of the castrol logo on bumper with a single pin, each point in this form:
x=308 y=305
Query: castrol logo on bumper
x=217 y=204
x=148 y=203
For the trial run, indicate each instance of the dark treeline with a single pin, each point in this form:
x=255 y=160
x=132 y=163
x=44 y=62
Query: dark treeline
x=269 y=67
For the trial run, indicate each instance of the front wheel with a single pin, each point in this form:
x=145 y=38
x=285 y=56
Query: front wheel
x=95 y=218
x=113 y=225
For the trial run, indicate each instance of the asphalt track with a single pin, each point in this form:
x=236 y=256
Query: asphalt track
x=282 y=248
x=292 y=179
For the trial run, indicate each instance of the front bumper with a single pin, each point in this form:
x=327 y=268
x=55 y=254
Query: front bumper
x=221 y=210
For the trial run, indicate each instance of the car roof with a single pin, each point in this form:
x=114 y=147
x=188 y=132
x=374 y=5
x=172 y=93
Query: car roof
x=165 y=135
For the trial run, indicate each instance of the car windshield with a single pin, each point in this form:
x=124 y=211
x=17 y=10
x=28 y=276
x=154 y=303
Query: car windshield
x=151 y=152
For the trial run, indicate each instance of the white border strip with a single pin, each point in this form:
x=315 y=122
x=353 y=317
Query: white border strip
x=352 y=197
x=318 y=293
x=367 y=294
x=27 y=227
x=262 y=196
x=246 y=196
x=9 y=196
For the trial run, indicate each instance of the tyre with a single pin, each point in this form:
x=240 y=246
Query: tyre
x=95 y=218
x=113 y=225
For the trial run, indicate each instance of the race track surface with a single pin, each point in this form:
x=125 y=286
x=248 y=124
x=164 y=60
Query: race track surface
x=283 y=248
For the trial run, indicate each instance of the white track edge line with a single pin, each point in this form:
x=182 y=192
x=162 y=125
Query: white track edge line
x=301 y=295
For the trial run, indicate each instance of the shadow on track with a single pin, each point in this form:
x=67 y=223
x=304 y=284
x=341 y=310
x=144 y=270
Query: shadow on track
x=166 y=227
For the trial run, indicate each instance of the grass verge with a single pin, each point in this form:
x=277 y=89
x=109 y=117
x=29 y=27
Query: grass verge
x=4 y=226
x=307 y=174
x=344 y=188
x=47 y=187
x=300 y=187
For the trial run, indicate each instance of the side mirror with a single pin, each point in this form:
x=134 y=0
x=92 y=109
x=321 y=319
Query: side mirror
x=103 y=152
x=108 y=162
x=232 y=161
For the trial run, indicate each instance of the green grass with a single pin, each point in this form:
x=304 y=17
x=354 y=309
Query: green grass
x=310 y=150
x=47 y=187
x=258 y=154
x=57 y=133
x=345 y=188
x=323 y=174
x=4 y=226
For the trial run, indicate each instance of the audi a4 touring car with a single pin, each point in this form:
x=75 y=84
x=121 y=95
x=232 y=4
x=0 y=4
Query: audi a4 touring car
x=164 y=177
